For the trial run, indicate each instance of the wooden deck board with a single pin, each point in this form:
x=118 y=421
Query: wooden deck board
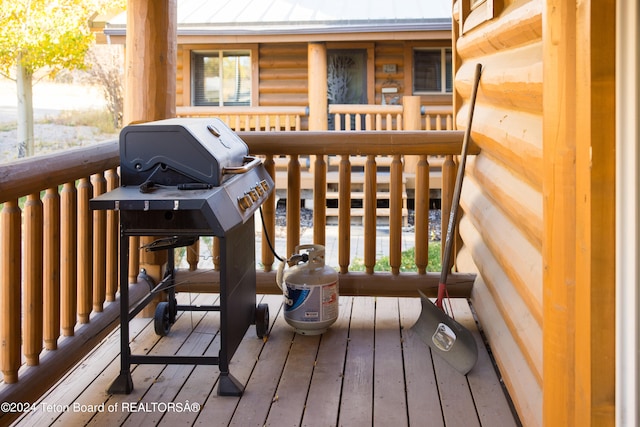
x=370 y=368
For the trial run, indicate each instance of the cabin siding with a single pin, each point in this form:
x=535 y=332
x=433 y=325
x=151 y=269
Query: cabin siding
x=283 y=75
x=502 y=226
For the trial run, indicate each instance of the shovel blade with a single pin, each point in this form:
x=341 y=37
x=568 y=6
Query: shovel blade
x=446 y=337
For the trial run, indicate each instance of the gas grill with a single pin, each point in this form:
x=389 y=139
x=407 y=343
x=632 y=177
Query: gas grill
x=181 y=179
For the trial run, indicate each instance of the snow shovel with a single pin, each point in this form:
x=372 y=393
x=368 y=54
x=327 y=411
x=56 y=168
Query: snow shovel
x=446 y=337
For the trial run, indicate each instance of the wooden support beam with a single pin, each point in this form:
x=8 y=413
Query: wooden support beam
x=317 y=57
x=595 y=217
x=579 y=223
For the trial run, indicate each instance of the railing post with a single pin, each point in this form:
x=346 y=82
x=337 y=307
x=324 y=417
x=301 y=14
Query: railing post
x=68 y=258
x=99 y=245
x=395 y=215
x=370 y=214
x=344 y=214
x=412 y=121
x=10 y=295
x=113 y=238
x=85 y=243
x=421 y=219
x=32 y=298
x=319 y=200
x=51 y=268
x=269 y=217
x=293 y=204
x=448 y=183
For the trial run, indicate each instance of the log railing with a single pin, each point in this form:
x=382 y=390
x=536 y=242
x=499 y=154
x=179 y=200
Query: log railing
x=62 y=305
x=251 y=118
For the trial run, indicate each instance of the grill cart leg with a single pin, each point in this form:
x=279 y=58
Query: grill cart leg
x=123 y=384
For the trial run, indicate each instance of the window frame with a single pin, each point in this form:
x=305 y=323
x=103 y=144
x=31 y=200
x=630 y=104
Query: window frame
x=219 y=53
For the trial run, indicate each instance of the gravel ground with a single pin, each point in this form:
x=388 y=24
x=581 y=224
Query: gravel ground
x=49 y=101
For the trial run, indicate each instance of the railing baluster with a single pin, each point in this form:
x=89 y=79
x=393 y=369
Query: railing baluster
x=320 y=200
x=134 y=259
x=344 y=213
x=368 y=122
x=448 y=183
x=68 y=258
x=10 y=295
x=99 y=245
x=215 y=251
x=113 y=239
x=395 y=214
x=51 y=268
x=269 y=215
x=421 y=219
x=85 y=219
x=370 y=215
x=32 y=298
x=293 y=204
x=193 y=255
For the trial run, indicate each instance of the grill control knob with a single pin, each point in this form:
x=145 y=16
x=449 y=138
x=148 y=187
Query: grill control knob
x=265 y=185
x=244 y=202
x=253 y=194
x=259 y=189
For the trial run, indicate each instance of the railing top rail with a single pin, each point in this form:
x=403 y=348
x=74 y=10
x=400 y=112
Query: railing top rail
x=364 y=109
x=356 y=142
x=25 y=176
x=214 y=111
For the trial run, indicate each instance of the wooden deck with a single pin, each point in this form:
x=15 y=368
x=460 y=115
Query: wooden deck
x=370 y=368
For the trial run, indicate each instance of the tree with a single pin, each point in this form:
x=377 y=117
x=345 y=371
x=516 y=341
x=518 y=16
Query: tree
x=105 y=68
x=43 y=36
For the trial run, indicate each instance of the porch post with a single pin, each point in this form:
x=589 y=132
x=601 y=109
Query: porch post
x=318 y=110
x=579 y=222
x=318 y=104
x=151 y=67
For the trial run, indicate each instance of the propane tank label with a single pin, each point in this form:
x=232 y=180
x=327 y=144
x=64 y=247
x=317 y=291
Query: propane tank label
x=311 y=303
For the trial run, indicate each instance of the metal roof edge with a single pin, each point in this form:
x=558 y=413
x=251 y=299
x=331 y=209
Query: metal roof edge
x=440 y=24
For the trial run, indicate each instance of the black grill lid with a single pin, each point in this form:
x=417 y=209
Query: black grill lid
x=179 y=151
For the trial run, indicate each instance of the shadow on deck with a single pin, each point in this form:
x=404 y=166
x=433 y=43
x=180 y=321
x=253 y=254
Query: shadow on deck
x=369 y=368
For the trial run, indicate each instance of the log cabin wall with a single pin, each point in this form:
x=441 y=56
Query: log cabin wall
x=282 y=70
x=283 y=74
x=502 y=225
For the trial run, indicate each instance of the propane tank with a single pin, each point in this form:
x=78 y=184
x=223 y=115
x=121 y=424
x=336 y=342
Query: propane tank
x=310 y=291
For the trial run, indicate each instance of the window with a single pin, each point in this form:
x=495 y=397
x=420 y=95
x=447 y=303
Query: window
x=432 y=71
x=221 y=78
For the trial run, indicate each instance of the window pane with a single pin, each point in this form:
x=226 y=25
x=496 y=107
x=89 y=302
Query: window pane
x=206 y=79
x=236 y=77
x=221 y=78
x=449 y=71
x=427 y=75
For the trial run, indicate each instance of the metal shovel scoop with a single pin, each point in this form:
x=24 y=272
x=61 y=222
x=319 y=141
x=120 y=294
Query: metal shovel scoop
x=439 y=331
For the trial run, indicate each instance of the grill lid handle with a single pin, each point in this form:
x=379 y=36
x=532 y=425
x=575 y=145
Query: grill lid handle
x=249 y=162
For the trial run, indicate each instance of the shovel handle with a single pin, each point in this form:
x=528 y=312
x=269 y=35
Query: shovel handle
x=453 y=215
